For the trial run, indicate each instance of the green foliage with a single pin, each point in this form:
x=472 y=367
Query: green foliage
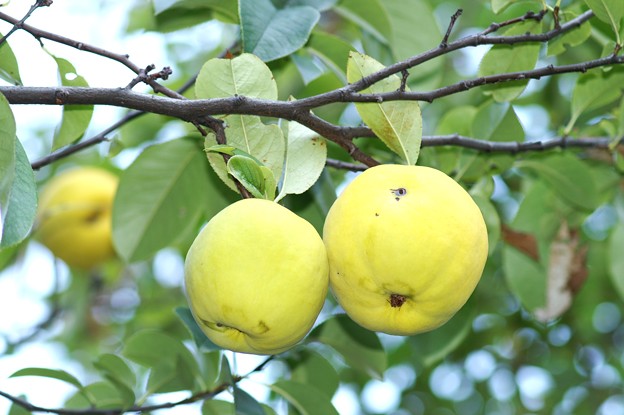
x=548 y=309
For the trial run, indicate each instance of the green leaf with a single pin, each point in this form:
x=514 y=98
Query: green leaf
x=203 y=343
x=76 y=118
x=306 y=153
x=610 y=12
x=245 y=75
x=397 y=123
x=218 y=407
x=245 y=404
x=324 y=192
x=407 y=42
x=165 y=191
x=15 y=409
x=166 y=9
x=360 y=348
x=106 y=395
x=616 y=259
x=9 y=70
x=272 y=32
x=22 y=204
x=306 y=399
x=497 y=122
x=571 y=38
x=117 y=371
x=49 y=373
x=594 y=90
x=432 y=347
x=173 y=367
x=310 y=368
x=568 y=177
x=526 y=278
x=369 y=15
x=492 y=220
x=7 y=156
x=264 y=143
x=511 y=58
x=260 y=182
x=332 y=51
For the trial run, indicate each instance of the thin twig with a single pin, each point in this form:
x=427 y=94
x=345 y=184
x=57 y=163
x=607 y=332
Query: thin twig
x=18 y=24
x=449 y=29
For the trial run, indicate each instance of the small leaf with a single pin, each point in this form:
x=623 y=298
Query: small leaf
x=571 y=38
x=264 y=143
x=203 y=343
x=245 y=404
x=397 y=123
x=360 y=348
x=9 y=70
x=218 y=407
x=249 y=174
x=306 y=153
x=76 y=118
x=161 y=194
x=22 y=204
x=307 y=399
x=49 y=373
x=230 y=151
x=272 y=32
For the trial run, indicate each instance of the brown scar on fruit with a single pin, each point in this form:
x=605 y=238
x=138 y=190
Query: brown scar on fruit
x=399 y=193
x=93 y=217
x=397 y=300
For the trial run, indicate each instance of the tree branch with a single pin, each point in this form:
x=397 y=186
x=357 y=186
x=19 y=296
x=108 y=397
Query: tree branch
x=18 y=24
x=200 y=396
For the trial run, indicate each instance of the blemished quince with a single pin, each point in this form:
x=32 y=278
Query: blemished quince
x=74 y=216
x=406 y=246
x=256 y=277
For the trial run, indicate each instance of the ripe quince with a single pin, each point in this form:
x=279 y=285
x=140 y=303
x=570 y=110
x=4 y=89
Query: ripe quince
x=406 y=246
x=74 y=216
x=256 y=277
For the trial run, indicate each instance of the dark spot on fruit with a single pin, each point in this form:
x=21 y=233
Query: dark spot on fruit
x=376 y=214
x=397 y=300
x=219 y=325
x=263 y=327
x=94 y=216
x=399 y=193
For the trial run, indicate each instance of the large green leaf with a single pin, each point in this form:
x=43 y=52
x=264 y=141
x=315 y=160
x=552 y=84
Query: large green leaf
x=311 y=368
x=307 y=399
x=407 y=42
x=162 y=194
x=571 y=38
x=332 y=51
x=397 y=123
x=22 y=204
x=201 y=340
x=76 y=118
x=497 y=122
x=7 y=155
x=57 y=374
x=245 y=404
x=568 y=177
x=610 y=12
x=167 y=9
x=306 y=153
x=511 y=58
x=117 y=371
x=9 y=70
x=594 y=90
x=369 y=15
x=360 y=348
x=271 y=32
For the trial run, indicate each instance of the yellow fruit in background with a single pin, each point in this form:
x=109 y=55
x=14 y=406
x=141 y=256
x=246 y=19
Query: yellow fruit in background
x=256 y=277
x=74 y=216
x=406 y=248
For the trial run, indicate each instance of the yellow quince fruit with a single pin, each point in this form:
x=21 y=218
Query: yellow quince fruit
x=74 y=216
x=406 y=248
x=256 y=277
